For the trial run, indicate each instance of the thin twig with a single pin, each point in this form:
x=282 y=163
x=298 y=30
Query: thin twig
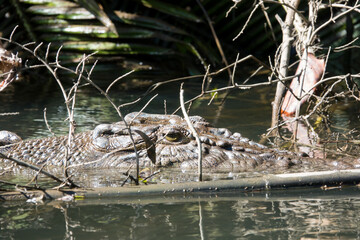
x=119 y=78
x=193 y=131
x=47 y=124
x=47 y=51
x=333 y=19
x=247 y=22
x=151 y=175
x=37 y=47
x=12 y=33
x=217 y=41
x=142 y=109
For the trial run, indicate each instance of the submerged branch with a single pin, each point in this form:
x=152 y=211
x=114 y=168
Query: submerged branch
x=35 y=168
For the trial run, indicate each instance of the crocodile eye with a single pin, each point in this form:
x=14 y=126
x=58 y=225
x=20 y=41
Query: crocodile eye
x=173 y=136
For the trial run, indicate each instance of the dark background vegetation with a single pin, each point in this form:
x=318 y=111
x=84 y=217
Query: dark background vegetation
x=162 y=39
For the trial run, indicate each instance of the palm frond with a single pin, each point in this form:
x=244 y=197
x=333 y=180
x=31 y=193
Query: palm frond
x=149 y=31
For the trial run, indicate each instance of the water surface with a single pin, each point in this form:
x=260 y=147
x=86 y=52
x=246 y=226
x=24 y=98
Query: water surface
x=289 y=214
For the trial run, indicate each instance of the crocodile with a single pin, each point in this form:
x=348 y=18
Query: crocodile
x=160 y=141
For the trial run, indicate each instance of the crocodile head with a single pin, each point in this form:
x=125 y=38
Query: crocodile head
x=168 y=141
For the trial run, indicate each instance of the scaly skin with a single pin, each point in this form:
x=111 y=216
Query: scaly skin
x=109 y=146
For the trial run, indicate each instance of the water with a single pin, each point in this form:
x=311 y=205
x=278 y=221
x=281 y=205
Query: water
x=240 y=113
x=288 y=214
x=246 y=111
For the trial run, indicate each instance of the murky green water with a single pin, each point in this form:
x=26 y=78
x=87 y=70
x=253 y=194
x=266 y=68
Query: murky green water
x=246 y=111
x=243 y=111
x=290 y=214
x=300 y=214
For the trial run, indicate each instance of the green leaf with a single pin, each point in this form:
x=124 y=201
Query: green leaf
x=22 y=216
x=56 y=3
x=94 y=8
x=61 y=12
x=148 y=22
x=116 y=48
x=97 y=31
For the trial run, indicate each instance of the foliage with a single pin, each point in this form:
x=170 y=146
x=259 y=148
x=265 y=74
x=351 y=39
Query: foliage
x=159 y=38
x=145 y=35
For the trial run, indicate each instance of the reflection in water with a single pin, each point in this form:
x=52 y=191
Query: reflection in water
x=240 y=217
x=251 y=216
x=304 y=137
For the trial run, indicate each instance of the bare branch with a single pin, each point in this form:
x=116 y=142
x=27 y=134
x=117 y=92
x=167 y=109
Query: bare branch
x=193 y=131
x=117 y=79
x=12 y=33
x=247 y=21
x=37 y=47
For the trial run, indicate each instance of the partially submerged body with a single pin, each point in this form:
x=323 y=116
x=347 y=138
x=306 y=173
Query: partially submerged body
x=168 y=142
